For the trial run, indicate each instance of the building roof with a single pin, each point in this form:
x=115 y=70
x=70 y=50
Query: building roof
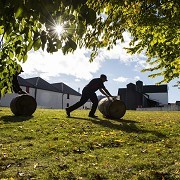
x=23 y=82
x=65 y=89
x=121 y=90
x=155 y=88
x=42 y=84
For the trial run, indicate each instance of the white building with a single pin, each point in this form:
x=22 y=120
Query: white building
x=70 y=96
x=7 y=98
x=55 y=96
x=158 y=93
x=45 y=94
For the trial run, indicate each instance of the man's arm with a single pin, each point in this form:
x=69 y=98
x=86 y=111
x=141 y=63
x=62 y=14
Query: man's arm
x=105 y=92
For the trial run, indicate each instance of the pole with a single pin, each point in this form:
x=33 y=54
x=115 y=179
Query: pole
x=62 y=88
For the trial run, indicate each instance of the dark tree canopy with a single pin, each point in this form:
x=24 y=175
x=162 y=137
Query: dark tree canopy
x=30 y=25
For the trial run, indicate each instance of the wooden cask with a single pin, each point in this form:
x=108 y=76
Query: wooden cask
x=23 y=105
x=112 y=108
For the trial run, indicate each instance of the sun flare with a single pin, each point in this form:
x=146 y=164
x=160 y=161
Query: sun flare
x=59 y=29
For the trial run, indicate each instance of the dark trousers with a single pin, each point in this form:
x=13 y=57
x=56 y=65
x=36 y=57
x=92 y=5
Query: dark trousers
x=86 y=94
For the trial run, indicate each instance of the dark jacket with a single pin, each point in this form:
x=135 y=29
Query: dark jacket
x=94 y=85
x=15 y=84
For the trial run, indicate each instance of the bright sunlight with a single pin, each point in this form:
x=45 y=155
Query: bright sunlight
x=59 y=29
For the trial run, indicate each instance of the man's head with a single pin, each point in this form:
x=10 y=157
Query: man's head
x=103 y=77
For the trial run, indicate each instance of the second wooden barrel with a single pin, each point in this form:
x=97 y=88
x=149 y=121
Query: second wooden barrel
x=112 y=108
x=23 y=105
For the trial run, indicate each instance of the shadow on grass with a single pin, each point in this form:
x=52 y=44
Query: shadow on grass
x=9 y=119
x=126 y=125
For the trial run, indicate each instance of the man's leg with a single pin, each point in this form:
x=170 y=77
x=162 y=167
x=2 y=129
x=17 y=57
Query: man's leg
x=83 y=100
x=94 y=100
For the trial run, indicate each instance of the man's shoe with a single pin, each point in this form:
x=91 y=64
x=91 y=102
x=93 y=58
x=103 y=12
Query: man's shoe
x=68 y=113
x=93 y=116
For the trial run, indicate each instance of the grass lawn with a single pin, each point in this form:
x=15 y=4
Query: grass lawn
x=140 y=146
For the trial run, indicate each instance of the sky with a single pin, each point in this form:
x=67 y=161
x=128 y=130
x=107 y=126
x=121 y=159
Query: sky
x=75 y=70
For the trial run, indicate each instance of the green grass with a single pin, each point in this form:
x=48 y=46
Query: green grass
x=140 y=146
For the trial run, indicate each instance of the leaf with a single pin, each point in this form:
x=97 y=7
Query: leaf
x=71 y=29
x=29 y=47
x=37 y=44
x=11 y=54
x=18 y=12
x=3 y=91
x=78 y=3
x=25 y=58
x=65 y=48
x=84 y=10
x=90 y=16
x=1 y=30
x=66 y=2
x=58 y=44
x=72 y=44
x=18 y=50
x=81 y=29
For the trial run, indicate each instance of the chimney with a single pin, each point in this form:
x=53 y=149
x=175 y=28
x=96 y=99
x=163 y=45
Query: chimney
x=139 y=86
x=131 y=87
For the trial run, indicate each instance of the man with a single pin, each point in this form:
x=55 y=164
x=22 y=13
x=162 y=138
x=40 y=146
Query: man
x=15 y=84
x=89 y=93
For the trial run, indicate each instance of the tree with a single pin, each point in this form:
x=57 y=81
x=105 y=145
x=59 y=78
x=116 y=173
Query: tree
x=153 y=25
x=177 y=85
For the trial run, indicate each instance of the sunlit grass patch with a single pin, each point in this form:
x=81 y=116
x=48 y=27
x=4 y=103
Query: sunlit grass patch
x=142 y=145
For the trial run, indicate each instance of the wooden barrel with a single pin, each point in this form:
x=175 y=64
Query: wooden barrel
x=112 y=108
x=23 y=105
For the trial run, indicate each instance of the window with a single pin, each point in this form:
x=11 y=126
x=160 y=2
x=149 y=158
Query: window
x=67 y=105
x=67 y=96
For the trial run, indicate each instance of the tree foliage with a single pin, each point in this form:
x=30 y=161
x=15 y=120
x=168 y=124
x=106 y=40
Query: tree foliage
x=177 y=84
x=30 y=25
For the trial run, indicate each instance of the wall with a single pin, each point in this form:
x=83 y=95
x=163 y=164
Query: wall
x=45 y=99
x=48 y=99
x=87 y=105
x=72 y=100
x=165 y=108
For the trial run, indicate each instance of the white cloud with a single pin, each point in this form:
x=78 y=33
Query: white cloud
x=121 y=79
x=47 y=65
x=119 y=53
x=126 y=79
x=141 y=63
x=77 y=80
x=136 y=78
x=77 y=64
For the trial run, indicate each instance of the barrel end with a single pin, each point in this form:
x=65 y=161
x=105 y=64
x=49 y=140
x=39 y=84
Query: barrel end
x=23 y=105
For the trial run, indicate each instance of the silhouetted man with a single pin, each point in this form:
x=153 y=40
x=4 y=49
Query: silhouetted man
x=15 y=84
x=89 y=93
